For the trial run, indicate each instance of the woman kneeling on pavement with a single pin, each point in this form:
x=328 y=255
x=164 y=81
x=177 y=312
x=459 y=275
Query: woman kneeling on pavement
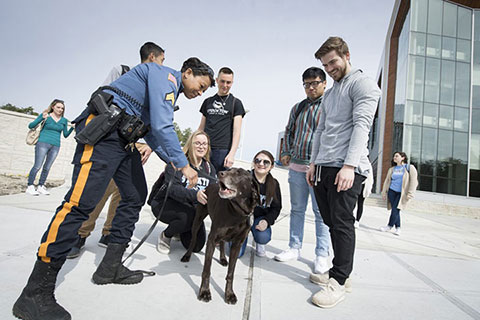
x=179 y=210
x=270 y=206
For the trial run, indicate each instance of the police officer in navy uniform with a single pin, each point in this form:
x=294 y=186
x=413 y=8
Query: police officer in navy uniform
x=147 y=93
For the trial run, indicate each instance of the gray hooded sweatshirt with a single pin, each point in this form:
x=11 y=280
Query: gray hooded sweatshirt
x=348 y=109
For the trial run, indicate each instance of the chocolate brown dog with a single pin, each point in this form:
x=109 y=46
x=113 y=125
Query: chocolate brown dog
x=230 y=204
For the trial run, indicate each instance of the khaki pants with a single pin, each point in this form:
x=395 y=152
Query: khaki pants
x=88 y=226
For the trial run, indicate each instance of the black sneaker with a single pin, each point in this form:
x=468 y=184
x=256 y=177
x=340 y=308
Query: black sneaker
x=104 y=240
x=77 y=249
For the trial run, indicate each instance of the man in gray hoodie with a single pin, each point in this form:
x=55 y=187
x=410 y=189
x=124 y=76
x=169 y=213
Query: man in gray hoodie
x=340 y=162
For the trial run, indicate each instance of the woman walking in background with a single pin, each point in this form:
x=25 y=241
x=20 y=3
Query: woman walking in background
x=399 y=187
x=48 y=145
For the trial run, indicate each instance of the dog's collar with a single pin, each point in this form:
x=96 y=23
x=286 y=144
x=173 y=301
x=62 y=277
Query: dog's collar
x=241 y=208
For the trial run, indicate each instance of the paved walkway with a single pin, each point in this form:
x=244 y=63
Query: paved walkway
x=429 y=272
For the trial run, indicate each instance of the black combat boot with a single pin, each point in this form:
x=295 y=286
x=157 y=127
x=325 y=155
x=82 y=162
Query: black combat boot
x=37 y=301
x=111 y=269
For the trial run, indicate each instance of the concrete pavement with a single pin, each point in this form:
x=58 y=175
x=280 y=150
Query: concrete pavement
x=429 y=272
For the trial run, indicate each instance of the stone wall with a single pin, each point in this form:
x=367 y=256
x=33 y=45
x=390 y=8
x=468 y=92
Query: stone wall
x=16 y=157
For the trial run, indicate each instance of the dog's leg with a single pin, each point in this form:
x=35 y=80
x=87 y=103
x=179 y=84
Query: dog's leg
x=230 y=296
x=204 y=292
x=200 y=215
x=223 y=257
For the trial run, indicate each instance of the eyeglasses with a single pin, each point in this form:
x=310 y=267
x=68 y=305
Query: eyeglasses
x=200 y=144
x=266 y=163
x=314 y=84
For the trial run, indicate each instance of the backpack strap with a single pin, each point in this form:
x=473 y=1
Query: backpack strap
x=301 y=106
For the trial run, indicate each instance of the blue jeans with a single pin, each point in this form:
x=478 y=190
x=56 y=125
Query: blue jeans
x=261 y=237
x=42 y=151
x=217 y=158
x=394 y=198
x=299 y=191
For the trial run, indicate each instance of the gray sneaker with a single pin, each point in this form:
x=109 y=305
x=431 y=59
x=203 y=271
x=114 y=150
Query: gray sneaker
x=330 y=296
x=163 y=244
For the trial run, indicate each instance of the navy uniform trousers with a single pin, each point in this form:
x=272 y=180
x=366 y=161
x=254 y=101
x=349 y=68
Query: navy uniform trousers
x=336 y=209
x=94 y=167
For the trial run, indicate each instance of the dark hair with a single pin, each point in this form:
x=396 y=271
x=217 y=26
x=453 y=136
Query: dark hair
x=150 y=47
x=402 y=154
x=269 y=180
x=332 y=43
x=225 y=70
x=314 y=72
x=199 y=68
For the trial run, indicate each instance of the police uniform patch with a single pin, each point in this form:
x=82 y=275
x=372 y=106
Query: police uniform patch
x=172 y=78
x=170 y=97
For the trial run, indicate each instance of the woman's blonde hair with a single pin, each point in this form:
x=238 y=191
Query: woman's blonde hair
x=188 y=147
x=54 y=102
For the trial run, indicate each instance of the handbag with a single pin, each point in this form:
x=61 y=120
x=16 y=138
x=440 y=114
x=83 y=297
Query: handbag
x=34 y=133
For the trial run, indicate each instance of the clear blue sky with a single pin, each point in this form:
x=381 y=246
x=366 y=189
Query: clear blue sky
x=65 y=49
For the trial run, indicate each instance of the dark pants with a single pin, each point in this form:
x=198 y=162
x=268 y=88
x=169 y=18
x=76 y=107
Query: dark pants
x=394 y=198
x=179 y=218
x=94 y=167
x=360 y=202
x=217 y=158
x=336 y=209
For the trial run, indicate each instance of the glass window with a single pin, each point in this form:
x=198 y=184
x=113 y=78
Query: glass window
x=460 y=155
x=419 y=12
x=430 y=115
x=445 y=147
x=432 y=83
x=462 y=84
x=416 y=70
x=475 y=154
x=449 y=19
x=444 y=186
x=449 y=48
x=413 y=112
x=445 y=118
x=464 y=29
x=474 y=189
x=475 y=120
x=434 y=45
x=435 y=8
x=461 y=119
x=477 y=22
x=412 y=136
x=460 y=187
x=463 y=50
x=429 y=150
x=417 y=43
x=476 y=70
x=447 y=88
x=425 y=183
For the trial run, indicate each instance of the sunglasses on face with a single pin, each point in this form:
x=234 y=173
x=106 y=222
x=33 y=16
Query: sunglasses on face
x=266 y=163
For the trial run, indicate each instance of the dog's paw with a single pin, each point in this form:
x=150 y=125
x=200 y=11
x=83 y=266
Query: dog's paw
x=185 y=258
x=204 y=295
x=224 y=262
x=230 y=297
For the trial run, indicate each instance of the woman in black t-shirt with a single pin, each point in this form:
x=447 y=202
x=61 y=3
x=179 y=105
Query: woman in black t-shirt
x=179 y=210
x=270 y=202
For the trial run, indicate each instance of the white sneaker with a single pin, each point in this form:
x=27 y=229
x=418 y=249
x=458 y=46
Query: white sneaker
x=385 y=229
x=322 y=279
x=31 y=190
x=397 y=231
x=320 y=265
x=329 y=296
x=43 y=190
x=356 y=224
x=287 y=255
x=260 y=250
x=163 y=244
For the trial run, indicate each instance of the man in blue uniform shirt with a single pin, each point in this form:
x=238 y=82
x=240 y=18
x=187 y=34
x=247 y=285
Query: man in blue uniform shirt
x=148 y=92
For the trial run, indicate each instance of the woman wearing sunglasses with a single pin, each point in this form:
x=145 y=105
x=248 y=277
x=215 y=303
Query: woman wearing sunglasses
x=179 y=210
x=267 y=212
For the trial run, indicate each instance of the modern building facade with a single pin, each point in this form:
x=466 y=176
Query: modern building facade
x=430 y=107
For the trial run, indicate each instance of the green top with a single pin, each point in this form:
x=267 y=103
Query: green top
x=52 y=129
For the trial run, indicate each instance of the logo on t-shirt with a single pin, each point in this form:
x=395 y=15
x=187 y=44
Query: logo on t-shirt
x=218 y=109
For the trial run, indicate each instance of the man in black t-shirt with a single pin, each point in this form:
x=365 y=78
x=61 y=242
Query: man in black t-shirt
x=222 y=116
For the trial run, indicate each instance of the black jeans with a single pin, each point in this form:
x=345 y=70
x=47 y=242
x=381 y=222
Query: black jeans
x=336 y=209
x=360 y=202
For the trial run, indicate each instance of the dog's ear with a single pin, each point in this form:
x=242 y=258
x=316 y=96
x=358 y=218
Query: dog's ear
x=255 y=192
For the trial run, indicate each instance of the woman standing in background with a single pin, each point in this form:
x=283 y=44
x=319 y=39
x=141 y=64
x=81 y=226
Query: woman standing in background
x=48 y=145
